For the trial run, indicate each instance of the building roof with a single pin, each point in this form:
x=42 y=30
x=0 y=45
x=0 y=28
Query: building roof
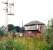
x=34 y=23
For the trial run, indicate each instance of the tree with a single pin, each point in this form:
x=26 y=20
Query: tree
x=17 y=28
x=10 y=27
x=50 y=33
x=1 y=32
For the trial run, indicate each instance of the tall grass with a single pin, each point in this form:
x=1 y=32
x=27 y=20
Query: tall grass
x=22 y=43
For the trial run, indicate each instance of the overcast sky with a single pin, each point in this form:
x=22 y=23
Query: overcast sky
x=28 y=10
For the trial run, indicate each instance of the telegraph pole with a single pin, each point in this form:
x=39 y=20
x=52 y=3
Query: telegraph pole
x=9 y=9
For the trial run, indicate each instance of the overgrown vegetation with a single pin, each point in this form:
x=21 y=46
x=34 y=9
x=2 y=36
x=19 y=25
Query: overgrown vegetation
x=23 y=43
x=49 y=34
x=27 y=43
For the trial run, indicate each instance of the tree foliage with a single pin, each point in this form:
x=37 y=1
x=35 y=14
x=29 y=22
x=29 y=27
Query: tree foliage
x=17 y=28
x=50 y=32
x=10 y=27
x=1 y=32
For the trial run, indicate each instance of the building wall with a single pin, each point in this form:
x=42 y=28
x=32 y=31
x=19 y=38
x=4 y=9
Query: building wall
x=35 y=27
x=31 y=33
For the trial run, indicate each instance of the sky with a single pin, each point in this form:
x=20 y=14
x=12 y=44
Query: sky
x=28 y=10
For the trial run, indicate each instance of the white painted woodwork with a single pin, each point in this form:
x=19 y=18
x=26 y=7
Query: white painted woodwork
x=34 y=27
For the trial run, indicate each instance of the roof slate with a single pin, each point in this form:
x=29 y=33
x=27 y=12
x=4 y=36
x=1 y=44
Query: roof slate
x=34 y=23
